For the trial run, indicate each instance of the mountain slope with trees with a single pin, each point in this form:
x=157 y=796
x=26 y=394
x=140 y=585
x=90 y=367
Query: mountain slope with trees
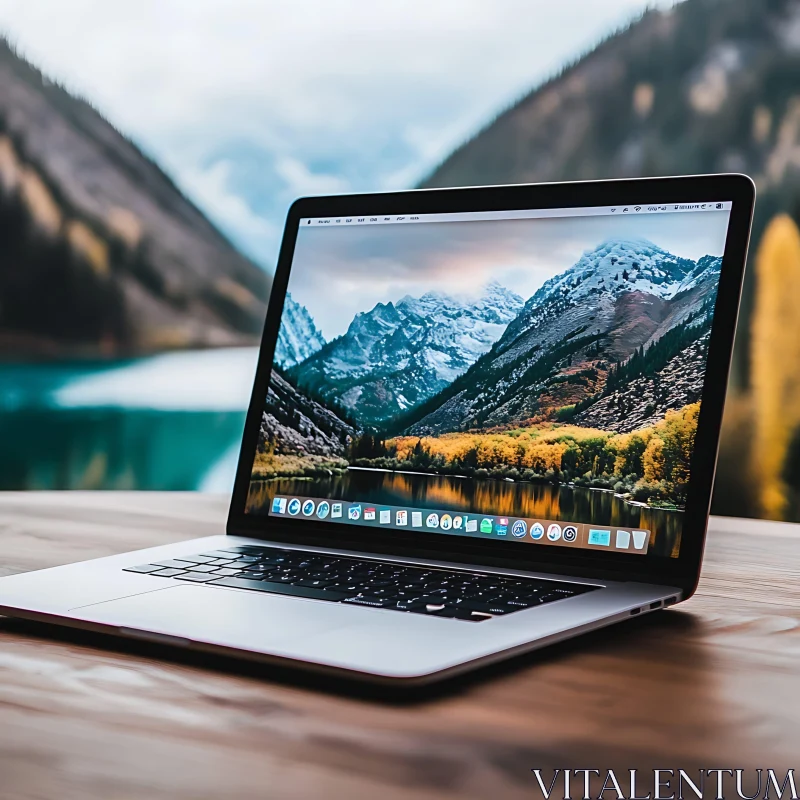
x=397 y=355
x=102 y=254
x=621 y=306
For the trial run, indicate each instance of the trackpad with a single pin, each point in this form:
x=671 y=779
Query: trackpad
x=231 y=618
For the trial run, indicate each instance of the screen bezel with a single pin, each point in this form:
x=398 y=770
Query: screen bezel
x=682 y=571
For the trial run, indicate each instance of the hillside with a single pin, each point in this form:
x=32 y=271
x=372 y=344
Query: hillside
x=648 y=397
x=297 y=424
x=297 y=435
x=398 y=355
x=625 y=308
x=298 y=336
x=708 y=86
x=102 y=254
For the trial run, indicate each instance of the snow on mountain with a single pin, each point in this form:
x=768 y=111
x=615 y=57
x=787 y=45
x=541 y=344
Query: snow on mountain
x=585 y=296
x=629 y=265
x=398 y=354
x=619 y=296
x=298 y=337
x=707 y=267
x=614 y=267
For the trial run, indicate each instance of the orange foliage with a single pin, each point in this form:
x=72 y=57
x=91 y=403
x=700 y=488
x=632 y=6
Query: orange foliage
x=653 y=460
x=660 y=453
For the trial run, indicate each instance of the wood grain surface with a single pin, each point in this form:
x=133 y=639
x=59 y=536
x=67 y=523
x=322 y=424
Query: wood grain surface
x=712 y=683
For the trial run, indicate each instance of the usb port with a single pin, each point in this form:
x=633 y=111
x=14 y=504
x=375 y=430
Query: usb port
x=655 y=605
x=670 y=601
x=635 y=611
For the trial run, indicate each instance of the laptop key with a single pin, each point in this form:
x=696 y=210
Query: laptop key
x=280 y=588
x=347 y=588
x=201 y=568
x=172 y=563
x=366 y=600
x=144 y=568
x=196 y=577
x=388 y=591
x=429 y=609
x=315 y=583
x=484 y=606
x=409 y=605
x=168 y=573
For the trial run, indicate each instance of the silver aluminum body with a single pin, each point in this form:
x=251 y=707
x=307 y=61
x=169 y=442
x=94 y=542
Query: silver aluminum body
x=376 y=644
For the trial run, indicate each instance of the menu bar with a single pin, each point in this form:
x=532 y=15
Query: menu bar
x=536 y=213
x=484 y=526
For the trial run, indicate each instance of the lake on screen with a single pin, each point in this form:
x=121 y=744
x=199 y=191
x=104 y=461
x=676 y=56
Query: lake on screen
x=171 y=421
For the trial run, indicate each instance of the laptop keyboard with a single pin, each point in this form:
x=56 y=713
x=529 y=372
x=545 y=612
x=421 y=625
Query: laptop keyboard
x=457 y=594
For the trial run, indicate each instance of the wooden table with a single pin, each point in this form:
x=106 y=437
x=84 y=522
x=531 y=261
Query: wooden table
x=712 y=683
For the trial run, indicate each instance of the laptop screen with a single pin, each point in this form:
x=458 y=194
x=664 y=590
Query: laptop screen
x=530 y=377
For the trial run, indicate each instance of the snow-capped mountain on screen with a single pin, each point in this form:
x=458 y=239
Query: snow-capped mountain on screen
x=623 y=295
x=398 y=354
x=298 y=337
x=625 y=265
x=586 y=295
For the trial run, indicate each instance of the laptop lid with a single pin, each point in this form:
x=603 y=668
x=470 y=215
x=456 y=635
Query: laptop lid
x=528 y=376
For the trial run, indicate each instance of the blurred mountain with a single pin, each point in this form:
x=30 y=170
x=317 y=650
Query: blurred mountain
x=707 y=86
x=101 y=253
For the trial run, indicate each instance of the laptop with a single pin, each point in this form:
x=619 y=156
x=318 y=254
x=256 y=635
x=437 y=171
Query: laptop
x=483 y=420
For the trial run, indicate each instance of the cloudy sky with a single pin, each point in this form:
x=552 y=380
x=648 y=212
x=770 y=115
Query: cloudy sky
x=251 y=103
x=338 y=272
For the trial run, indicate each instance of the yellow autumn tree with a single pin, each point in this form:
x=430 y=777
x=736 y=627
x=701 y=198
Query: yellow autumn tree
x=775 y=358
x=653 y=460
x=628 y=450
x=677 y=432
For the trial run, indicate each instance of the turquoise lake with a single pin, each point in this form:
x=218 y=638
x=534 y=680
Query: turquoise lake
x=167 y=422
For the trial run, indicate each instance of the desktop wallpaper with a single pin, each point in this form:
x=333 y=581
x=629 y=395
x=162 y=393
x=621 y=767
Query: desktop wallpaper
x=544 y=368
